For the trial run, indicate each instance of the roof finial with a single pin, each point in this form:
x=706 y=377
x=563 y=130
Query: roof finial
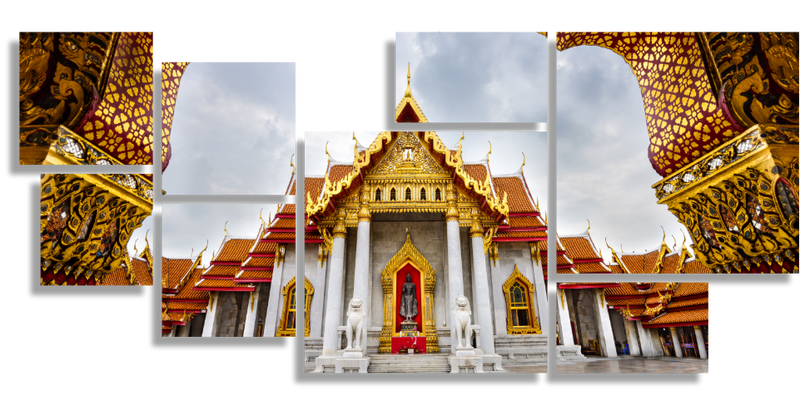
x=490 y=151
x=459 y=143
x=145 y=237
x=663 y=235
x=588 y=227
x=199 y=255
x=674 y=242
x=355 y=147
x=135 y=251
x=326 y=152
x=192 y=253
x=226 y=230
x=545 y=217
x=523 y=161
x=684 y=237
x=260 y=217
x=291 y=162
x=408 y=82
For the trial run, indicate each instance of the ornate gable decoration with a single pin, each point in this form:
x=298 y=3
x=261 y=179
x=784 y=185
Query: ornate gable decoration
x=407 y=156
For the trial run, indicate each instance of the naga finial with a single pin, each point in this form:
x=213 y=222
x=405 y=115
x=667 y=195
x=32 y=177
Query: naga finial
x=490 y=151
x=326 y=152
x=291 y=162
x=226 y=230
x=355 y=147
x=590 y=225
x=260 y=217
x=523 y=161
x=135 y=251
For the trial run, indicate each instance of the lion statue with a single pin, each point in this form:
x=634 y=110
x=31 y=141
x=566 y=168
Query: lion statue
x=461 y=316
x=355 y=319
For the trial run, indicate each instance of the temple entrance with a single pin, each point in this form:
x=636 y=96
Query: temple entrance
x=408 y=318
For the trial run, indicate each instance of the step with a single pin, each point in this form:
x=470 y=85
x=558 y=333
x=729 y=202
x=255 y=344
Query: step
x=418 y=363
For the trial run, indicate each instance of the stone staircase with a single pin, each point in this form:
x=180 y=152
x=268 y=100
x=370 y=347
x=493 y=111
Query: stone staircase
x=313 y=348
x=405 y=363
x=521 y=350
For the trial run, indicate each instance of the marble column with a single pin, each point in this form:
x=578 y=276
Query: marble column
x=541 y=290
x=676 y=343
x=210 y=325
x=604 y=331
x=251 y=317
x=455 y=278
x=701 y=343
x=633 y=340
x=563 y=319
x=644 y=340
x=184 y=329
x=482 y=304
x=333 y=302
x=318 y=302
x=361 y=279
x=273 y=303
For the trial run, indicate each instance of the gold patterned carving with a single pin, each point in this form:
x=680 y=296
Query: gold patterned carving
x=408 y=254
x=406 y=156
x=86 y=221
x=315 y=206
x=363 y=212
x=452 y=208
x=536 y=255
x=322 y=254
x=736 y=201
x=75 y=64
x=533 y=321
x=476 y=230
x=494 y=253
x=756 y=73
x=339 y=231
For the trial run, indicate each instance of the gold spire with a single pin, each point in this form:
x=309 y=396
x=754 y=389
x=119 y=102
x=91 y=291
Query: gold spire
x=523 y=161
x=408 y=82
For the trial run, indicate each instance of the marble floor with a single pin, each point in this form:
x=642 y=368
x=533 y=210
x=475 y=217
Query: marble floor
x=634 y=365
x=618 y=365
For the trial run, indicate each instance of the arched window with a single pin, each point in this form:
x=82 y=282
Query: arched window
x=520 y=315
x=408 y=194
x=393 y=195
x=438 y=195
x=378 y=195
x=287 y=324
x=519 y=305
x=422 y=194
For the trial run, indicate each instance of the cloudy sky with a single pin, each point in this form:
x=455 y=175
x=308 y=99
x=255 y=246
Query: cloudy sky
x=602 y=171
x=233 y=123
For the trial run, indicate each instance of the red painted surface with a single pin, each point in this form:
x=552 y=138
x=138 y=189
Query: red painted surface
x=400 y=280
x=417 y=342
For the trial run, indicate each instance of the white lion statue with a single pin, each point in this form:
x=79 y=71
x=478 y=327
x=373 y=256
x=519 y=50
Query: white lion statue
x=355 y=318
x=461 y=316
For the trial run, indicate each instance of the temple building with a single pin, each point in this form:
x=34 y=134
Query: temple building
x=248 y=290
x=400 y=233
x=632 y=319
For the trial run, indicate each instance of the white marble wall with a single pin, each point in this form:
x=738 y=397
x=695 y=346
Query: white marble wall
x=316 y=275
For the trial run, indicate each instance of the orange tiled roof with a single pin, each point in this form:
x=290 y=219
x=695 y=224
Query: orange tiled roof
x=142 y=271
x=693 y=266
x=283 y=223
x=525 y=234
x=688 y=303
x=173 y=270
x=255 y=274
x=288 y=209
x=222 y=270
x=187 y=292
x=219 y=284
x=476 y=171
x=690 y=316
x=525 y=222
x=591 y=268
x=117 y=277
x=265 y=247
x=260 y=262
x=187 y=306
x=337 y=172
x=579 y=247
x=314 y=188
x=234 y=250
x=686 y=289
x=518 y=201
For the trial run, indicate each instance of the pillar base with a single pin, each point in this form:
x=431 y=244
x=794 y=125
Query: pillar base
x=351 y=365
x=325 y=364
x=491 y=363
x=465 y=364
